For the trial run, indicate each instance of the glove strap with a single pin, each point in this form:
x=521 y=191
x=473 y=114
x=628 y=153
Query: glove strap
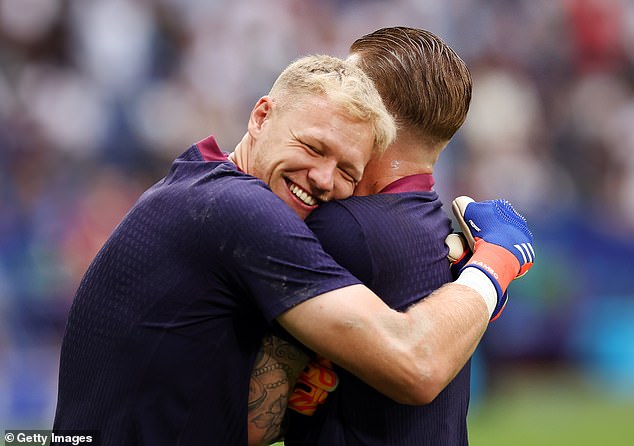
x=496 y=262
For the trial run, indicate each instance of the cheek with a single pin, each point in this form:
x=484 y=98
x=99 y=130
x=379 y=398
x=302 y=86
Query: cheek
x=343 y=189
x=294 y=159
x=264 y=162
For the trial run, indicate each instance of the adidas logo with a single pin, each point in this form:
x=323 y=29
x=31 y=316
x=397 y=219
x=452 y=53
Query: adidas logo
x=473 y=225
x=526 y=249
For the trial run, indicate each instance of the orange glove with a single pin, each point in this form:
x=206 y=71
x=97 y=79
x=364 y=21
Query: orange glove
x=314 y=384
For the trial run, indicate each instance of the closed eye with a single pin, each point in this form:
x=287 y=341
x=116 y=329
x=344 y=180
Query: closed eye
x=312 y=148
x=348 y=177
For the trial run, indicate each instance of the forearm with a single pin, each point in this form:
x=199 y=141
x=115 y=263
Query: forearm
x=410 y=356
x=275 y=371
x=448 y=326
x=431 y=346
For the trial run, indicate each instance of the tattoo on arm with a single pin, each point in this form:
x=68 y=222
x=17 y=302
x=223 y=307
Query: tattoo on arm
x=275 y=371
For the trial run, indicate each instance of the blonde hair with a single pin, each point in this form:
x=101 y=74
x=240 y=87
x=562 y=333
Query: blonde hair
x=344 y=84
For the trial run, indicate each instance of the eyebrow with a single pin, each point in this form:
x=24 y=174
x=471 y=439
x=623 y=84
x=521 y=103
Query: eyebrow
x=319 y=143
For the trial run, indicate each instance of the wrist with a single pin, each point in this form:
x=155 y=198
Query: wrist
x=496 y=261
x=477 y=280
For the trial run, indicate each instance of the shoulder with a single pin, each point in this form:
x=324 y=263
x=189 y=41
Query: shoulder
x=351 y=214
x=249 y=200
x=333 y=218
x=222 y=187
x=231 y=204
x=215 y=198
x=341 y=232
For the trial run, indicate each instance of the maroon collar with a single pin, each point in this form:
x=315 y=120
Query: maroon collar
x=210 y=151
x=423 y=182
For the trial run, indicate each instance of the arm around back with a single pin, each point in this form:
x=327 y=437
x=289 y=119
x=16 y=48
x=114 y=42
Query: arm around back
x=409 y=356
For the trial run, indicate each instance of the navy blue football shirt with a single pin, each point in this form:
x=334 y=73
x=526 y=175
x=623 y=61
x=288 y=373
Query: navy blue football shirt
x=394 y=243
x=164 y=328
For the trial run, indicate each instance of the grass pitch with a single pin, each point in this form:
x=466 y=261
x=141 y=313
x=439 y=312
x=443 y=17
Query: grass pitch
x=550 y=408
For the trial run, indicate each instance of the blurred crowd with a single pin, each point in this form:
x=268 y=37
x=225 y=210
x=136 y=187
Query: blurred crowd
x=98 y=96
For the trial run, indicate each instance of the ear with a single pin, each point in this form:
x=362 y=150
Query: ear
x=260 y=113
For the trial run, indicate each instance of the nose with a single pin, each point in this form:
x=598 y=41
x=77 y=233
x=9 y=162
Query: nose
x=322 y=179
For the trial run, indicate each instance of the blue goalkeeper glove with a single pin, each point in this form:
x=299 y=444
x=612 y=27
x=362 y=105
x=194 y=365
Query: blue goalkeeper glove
x=501 y=242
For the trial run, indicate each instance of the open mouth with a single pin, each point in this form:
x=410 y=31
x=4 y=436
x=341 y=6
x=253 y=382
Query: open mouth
x=301 y=194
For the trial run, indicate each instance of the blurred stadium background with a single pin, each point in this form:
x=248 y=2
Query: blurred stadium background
x=98 y=96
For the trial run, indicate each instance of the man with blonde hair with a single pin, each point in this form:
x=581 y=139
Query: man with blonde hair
x=166 y=322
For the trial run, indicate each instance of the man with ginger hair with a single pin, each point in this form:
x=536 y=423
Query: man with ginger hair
x=391 y=236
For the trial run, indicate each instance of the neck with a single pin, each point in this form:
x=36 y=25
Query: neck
x=406 y=156
x=239 y=156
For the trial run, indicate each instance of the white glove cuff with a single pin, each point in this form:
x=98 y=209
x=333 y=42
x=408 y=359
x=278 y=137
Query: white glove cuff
x=480 y=282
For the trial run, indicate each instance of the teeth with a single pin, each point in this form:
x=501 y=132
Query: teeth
x=302 y=195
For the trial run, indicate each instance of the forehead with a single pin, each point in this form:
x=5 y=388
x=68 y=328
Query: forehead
x=327 y=123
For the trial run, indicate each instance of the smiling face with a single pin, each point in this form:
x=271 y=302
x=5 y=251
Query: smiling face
x=309 y=152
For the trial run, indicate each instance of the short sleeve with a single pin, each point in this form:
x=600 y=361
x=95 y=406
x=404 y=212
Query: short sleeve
x=270 y=251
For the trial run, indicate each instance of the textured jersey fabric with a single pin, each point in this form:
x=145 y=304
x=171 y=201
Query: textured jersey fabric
x=394 y=243
x=165 y=325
